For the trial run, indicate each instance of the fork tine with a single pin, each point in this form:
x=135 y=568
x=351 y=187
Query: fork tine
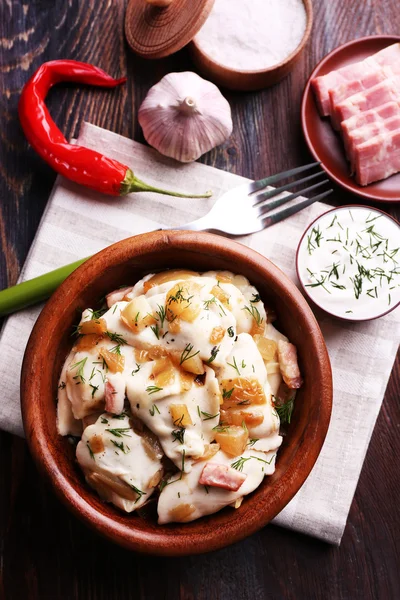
x=291 y=210
x=276 y=191
x=262 y=210
x=262 y=183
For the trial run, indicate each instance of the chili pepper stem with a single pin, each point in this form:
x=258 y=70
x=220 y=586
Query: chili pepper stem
x=133 y=184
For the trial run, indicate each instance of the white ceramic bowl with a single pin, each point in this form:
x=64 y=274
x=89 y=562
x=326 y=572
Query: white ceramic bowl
x=348 y=262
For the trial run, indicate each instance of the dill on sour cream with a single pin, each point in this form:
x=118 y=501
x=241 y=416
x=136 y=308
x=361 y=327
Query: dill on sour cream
x=349 y=263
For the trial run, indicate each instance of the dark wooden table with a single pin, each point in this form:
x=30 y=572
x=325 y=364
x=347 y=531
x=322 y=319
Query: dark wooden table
x=45 y=552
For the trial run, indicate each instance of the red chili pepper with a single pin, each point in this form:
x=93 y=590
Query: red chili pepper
x=82 y=165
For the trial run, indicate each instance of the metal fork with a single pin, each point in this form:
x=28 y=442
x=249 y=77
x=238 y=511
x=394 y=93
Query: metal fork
x=242 y=211
x=238 y=212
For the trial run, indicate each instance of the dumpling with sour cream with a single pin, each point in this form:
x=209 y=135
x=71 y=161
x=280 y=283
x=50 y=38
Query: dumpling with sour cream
x=181 y=412
x=175 y=315
x=117 y=462
x=244 y=300
x=185 y=499
x=247 y=396
x=94 y=378
x=66 y=422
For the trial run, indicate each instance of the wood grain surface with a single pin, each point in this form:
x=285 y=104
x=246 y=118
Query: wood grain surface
x=45 y=552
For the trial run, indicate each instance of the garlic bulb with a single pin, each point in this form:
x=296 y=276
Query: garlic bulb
x=183 y=116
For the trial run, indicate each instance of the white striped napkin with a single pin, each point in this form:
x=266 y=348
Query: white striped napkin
x=78 y=222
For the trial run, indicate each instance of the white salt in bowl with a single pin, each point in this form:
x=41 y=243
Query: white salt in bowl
x=237 y=79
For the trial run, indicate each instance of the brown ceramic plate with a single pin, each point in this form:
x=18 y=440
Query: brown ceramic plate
x=128 y=261
x=325 y=145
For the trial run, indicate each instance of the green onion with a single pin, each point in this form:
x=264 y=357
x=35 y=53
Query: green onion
x=34 y=290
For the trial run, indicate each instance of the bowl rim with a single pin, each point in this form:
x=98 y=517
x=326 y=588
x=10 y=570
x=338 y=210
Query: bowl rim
x=300 y=278
x=288 y=483
x=228 y=71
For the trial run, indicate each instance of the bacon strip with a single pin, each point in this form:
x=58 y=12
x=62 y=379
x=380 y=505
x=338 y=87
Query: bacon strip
x=366 y=133
x=388 y=57
x=289 y=367
x=114 y=397
x=372 y=117
x=222 y=476
x=386 y=91
x=378 y=157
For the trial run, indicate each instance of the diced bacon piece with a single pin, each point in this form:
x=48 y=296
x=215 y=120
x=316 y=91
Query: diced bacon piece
x=386 y=91
x=363 y=134
x=350 y=88
x=369 y=117
x=117 y=296
x=377 y=158
x=388 y=57
x=289 y=367
x=222 y=476
x=114 y=393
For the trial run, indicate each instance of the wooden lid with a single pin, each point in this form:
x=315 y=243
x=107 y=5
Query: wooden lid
x=154 y=32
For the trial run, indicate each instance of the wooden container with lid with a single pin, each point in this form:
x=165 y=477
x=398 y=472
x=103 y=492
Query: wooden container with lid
x=159 y=28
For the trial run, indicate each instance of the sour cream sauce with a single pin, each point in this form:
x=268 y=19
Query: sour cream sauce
x=349 y=263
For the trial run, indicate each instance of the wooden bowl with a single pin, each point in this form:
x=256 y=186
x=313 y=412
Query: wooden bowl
x=250 y=80
x=50 y=341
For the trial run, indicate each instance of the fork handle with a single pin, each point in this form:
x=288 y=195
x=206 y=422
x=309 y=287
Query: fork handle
x=201 y=224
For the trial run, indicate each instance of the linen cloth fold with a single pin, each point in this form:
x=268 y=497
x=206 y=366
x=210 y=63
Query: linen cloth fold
x=78 y=222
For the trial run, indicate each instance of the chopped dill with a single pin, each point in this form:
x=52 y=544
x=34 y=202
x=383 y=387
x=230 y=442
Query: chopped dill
x=178 y=435
x=153 y=410
x=213 y=356
x=207 y=416
x=121 y=446
x=137 y=491
x=239 y=464
x=94 y=389
x=80 y=369
x=284 y=409
x=234 y=366
x=161 y=315
x=254 y=312
x=226 y=394
x=156 y=330
x=116 y=337
x=153 y=389
x=120 y=432
x=252 y=441
x=90 y=451
x=136 y=370
x=96 y=314
x=186 y=353
x=116 y=349
x=208 y=303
